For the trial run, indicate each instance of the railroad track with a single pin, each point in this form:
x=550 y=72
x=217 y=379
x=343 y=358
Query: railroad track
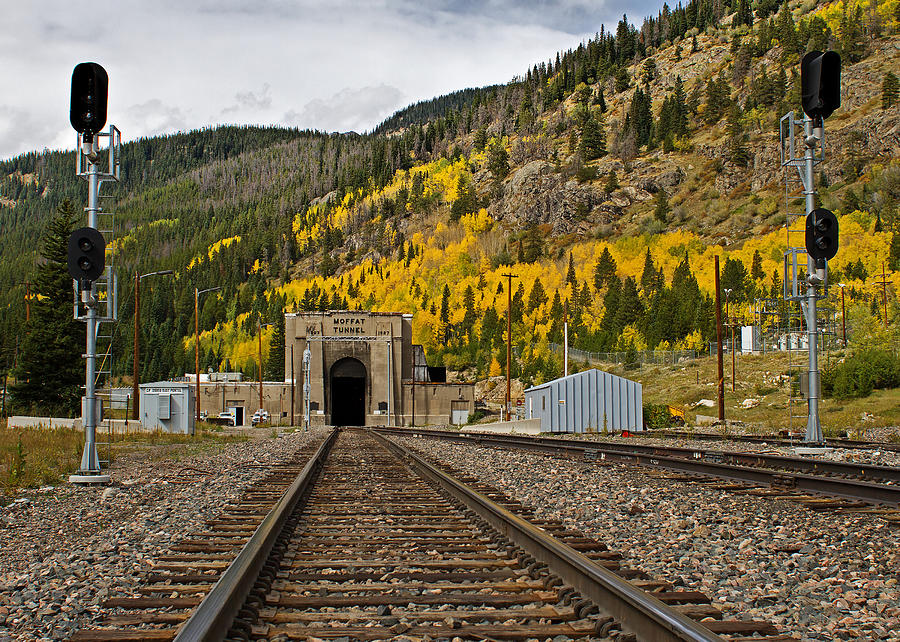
x=371 y=542
x=772 y=440
x=819 y=483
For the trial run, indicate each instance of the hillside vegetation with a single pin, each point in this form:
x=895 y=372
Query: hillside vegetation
x=605 y=181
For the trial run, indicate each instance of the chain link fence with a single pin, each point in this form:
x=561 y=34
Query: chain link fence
x=661 y=357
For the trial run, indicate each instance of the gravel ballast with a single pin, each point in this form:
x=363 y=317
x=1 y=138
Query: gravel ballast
x=64 y=550
x=819 y=575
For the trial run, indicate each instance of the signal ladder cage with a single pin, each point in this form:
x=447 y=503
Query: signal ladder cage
x=795 y=335
x=106 y=287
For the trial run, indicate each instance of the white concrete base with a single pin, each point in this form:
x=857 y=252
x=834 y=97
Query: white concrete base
x=812 y=450
x=88 y=479
x=518 y=427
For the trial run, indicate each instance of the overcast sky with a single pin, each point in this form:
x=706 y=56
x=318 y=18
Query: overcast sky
x=335 y=65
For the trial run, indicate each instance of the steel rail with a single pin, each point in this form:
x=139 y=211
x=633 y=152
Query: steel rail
x=636 y=610
x=214 y=616
x=832 y=486
x=851 y=444
x=793 y=464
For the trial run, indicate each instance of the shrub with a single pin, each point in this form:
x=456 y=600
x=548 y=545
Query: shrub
x=656 y=416
x=861 y=373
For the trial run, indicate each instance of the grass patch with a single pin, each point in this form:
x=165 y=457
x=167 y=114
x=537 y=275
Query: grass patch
x=758 y=377
x=32 y=457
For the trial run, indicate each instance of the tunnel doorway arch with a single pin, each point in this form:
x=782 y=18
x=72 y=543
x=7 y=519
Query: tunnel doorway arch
x=348 y=392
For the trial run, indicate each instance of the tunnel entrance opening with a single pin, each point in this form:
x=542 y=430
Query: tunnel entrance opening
x=348 y=393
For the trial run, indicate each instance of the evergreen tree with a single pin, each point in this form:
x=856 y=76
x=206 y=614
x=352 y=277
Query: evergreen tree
x=570 y=272
x=609 y=328
x=593 y=139
x=718 y=99
x=852 y=34
x=50 y=370
x=537 y=297
x=756 y=270
x=491 y=330
x=738 y=152
x=734 y=277
x=787 y=33
x=480 y=139
x=630 y=307
x=469 y=316
x=651 y=279
x=466 y=200
x=894 y=253
x=555 y=333
x=498 y=159
x=274 y=370
x=445 y=315
x=612 y=182
x=744 y=14
x=890 y=89
x=640 y=119
x=518 y=304
x=661 y=210
x=604 y=269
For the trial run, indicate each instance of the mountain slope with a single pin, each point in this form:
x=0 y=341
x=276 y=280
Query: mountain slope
x=600 y=149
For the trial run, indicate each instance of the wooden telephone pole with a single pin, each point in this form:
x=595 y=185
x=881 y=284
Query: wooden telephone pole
x=509 y=278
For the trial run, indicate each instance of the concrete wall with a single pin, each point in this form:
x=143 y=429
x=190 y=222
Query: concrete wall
x=118 y=426
x=216 y=397
x=435 y=401
x=517 y=427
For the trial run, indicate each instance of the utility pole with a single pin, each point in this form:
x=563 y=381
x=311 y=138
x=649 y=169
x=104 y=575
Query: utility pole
x=307 y=386
x=843 y=314
x=884 y=283
x=566 y=339
x=730 y=322
x=260 y=326
x=293 y=416
x=136 y=372
x=721 y=368
x=197 y=294
x=509 y=278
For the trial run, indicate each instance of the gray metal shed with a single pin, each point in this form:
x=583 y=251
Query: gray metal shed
x=169 y=406
x=586 y=402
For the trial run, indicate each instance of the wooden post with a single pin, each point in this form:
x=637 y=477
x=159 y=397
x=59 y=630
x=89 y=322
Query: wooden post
x=259 y=363
x=135 y=371
x=843 y=317
x=509 y=278
x=293 y=417
x=721 y=367
x=197 y=350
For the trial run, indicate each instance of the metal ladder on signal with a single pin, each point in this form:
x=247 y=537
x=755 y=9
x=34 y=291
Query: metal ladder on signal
x=106 y=294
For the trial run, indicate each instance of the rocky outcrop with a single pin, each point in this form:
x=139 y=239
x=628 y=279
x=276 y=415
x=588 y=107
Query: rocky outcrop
x=536 y=194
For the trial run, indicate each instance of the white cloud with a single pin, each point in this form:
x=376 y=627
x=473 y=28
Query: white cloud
x=154 y=118
x=249 y=102
x=322 y=64
x=348 y=110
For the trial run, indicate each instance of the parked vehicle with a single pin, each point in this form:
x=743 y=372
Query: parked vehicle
x=227 y=418
x=259 y=417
